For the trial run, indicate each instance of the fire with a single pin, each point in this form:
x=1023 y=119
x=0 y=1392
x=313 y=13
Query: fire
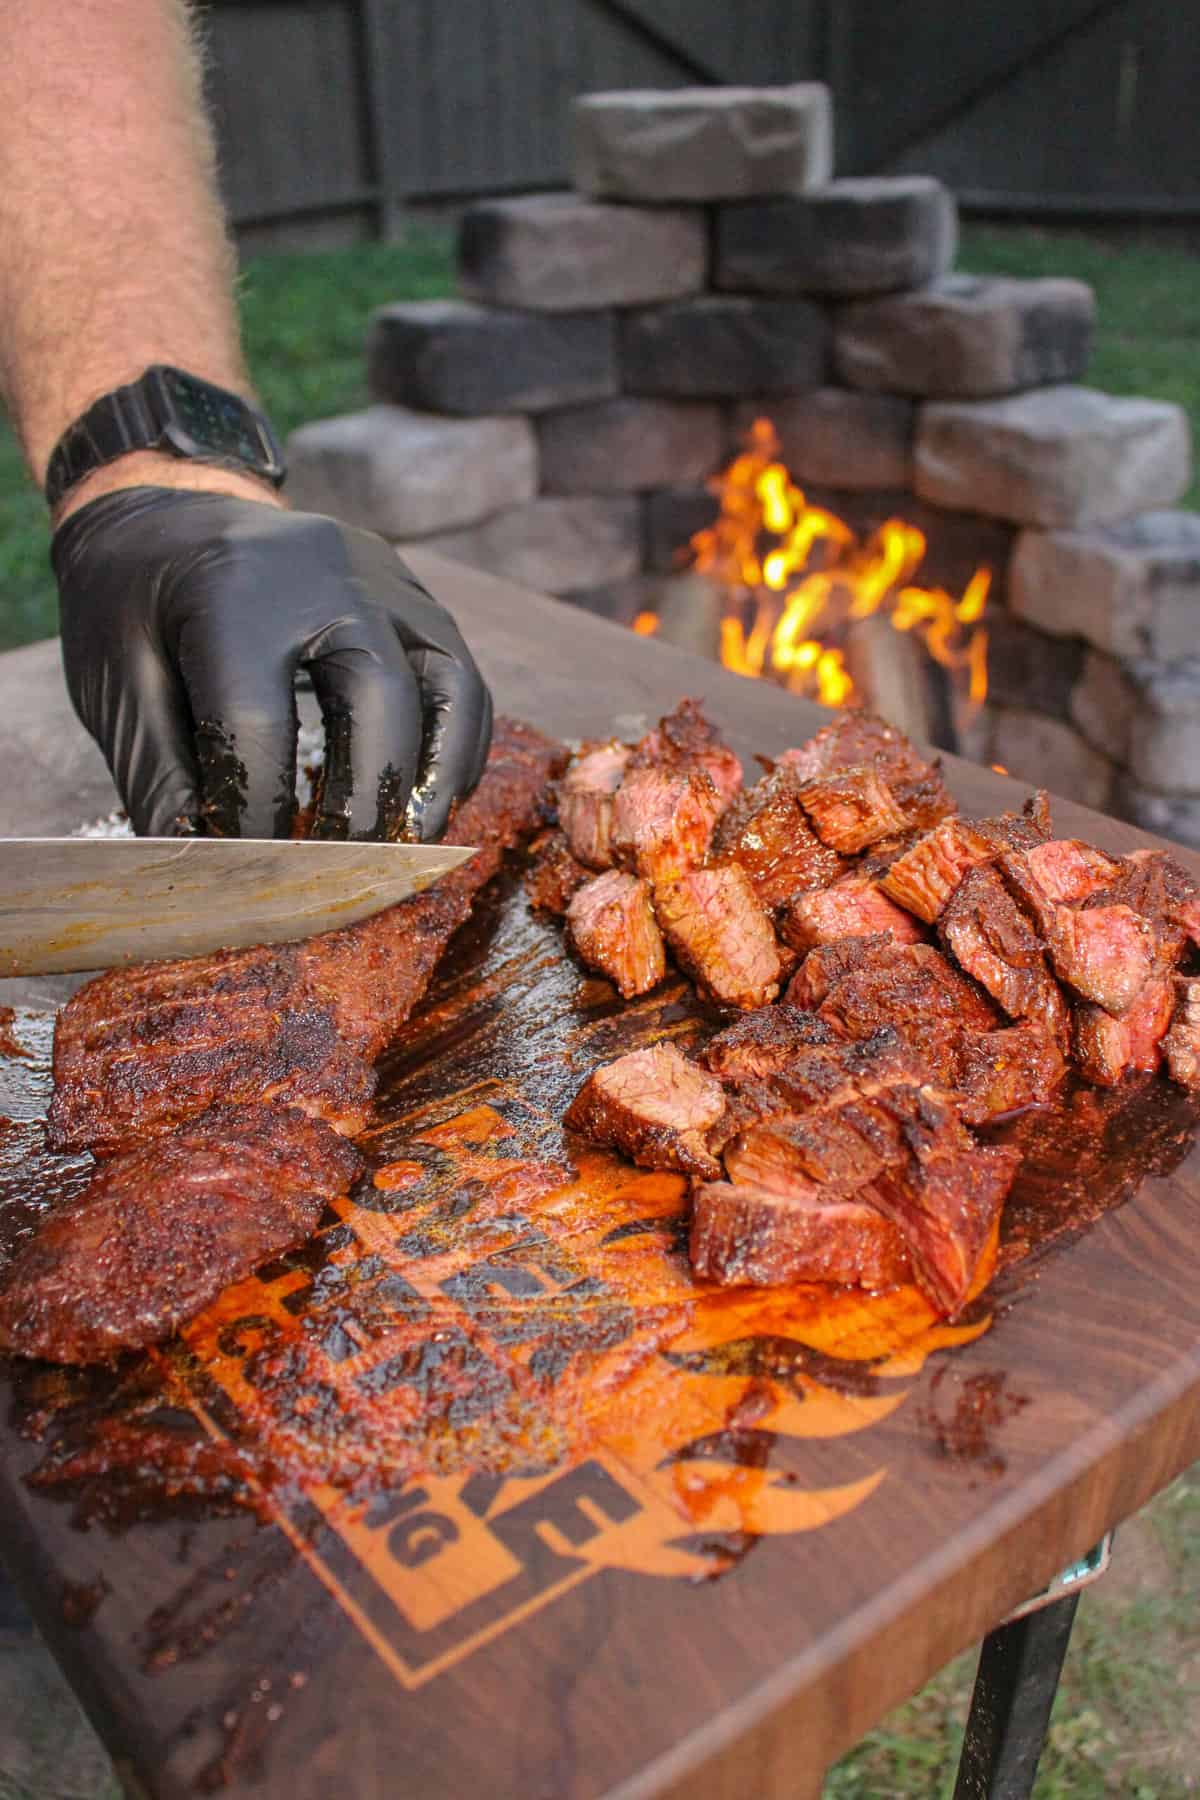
x=796 y=579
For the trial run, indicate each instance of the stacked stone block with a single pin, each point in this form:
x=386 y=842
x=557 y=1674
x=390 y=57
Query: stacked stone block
x=557 y=424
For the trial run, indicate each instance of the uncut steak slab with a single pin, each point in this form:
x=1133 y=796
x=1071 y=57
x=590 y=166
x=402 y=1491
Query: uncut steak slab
x=139 y=1050
x=162 y=1229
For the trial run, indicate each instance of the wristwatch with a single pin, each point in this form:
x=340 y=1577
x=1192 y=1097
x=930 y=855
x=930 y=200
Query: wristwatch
x=166 y=409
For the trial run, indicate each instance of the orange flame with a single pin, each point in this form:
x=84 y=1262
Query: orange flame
x=795 y=577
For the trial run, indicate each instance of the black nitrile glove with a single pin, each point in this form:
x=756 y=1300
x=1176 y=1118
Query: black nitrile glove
x=185 y=618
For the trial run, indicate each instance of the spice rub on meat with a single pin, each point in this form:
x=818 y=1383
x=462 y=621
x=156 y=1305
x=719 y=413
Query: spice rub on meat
x=654 y=1105
x=743 y=1235
x=162 y=1229
x=767 y=833
x=138 y=1051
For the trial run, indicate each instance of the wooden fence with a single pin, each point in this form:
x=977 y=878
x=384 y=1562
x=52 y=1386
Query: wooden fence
x=335 y=115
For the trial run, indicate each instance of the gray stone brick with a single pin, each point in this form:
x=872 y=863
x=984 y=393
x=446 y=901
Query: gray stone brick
x=1170 y=815
x=838 y=437
x=1132 y=588
x=719 y=143
x=558 y=546
x=406 y=474
x=1028 y=670
x=1062 y=456
x=671 y=518
x=1046 y=753
x=860 y=236
x=627 y=444
x=968 y=337
x=1102 y=705
x=452 y=356
x=562 y=253
x=1164 y=739
x=724 y=346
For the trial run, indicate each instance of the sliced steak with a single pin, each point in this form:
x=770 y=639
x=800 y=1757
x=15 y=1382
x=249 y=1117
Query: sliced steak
x=946 y=1202
x=554 y=874
x=990 y=937
x=741 y=1235
x=720 y=935
x=854 y=738
x=923 y=879
x=1107 y=1049
x=767 y=833
x=585 y=801
x=663 y=821
x=683 y=740
x=851 y=809
x=840 y=1148
x=1181 y=1045
x=654 y=1105
x=1105 y=953
x=162 y=1229
x=613 y=928
x=763 y=1042
x=1008 y=1071
x=852 y=907
x=1067 y=870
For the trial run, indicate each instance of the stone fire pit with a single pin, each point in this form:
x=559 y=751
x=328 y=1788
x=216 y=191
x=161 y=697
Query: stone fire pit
x=558 y=423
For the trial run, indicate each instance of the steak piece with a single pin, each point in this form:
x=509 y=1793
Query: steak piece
x=1182 y=1042
x=161 y=1230
x=1067 y=870
x=614 y=930
x=990 y=937
x=912 y=988
x=1108 y=1048
x=1008 y=1071
x=654 y=1105
x=763 y=1042
x=852 y=907
x=720 y=935
x=663 y=821
x=741 y=1235
x=1105 y=953
x=138 y=1051
x=767 y=833
x=923 y=879
x=554 y=874
x=859 y=737
x=851 y=809
x=585 y=801
x=840 y=1148
x=1181 y=893
x=684 y=740
x=825 y=966
x=946 y=1202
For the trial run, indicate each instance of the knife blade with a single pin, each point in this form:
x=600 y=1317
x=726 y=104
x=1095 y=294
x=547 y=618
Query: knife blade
x=68 y=904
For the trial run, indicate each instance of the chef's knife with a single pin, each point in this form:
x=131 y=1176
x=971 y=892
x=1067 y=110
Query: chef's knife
x=96 y=903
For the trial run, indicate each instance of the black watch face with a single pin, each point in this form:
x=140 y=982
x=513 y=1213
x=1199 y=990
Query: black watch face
x=219 y=424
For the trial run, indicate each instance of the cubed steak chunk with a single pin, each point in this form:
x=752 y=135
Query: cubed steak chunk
x=851 y=809
x=742 y=1236
x=1181 y=1045
x=655 y=1106
x=946 y=1201
x=685 y=739
x=663 y=821
x=585 y=801
x=912 y=988
x=1105 y=953
x=992 y=940
x=768 y=834
x=554 y=874
x=1181 y=893
x=840 y=1148
x=859 y=737
x=613 y=928
x=1067 y=870
x=162 y=1229
x=852 y=907
x=1107 y=1049
x=1008 y=1071
x=825 y=966
x=923 y=879
x=720 y=935
x=763 y=1042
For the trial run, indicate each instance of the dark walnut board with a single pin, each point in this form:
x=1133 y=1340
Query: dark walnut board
x=480 y=1492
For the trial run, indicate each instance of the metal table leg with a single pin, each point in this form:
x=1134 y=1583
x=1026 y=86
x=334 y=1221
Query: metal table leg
x=1017 y=1679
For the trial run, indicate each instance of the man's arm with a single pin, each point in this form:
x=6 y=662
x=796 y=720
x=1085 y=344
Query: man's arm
x=113 y=249
x=186 y=615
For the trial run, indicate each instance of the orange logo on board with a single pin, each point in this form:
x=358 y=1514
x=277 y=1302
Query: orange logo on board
x=509 y=1381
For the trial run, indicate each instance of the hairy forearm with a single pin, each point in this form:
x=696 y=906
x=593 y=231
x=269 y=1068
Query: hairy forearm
x=113 y=250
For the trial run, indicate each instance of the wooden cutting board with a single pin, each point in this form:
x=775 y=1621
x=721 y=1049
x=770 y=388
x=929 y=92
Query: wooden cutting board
x=481 y=1492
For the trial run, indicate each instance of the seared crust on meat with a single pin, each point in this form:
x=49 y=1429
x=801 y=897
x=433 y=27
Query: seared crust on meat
x=720 y=935
x=654 y=1105
x=852 y=809
x=742 y=1235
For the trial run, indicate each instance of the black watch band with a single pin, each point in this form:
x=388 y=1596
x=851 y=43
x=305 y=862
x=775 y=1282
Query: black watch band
x=169 y=410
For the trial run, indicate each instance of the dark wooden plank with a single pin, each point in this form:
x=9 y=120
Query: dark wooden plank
x=622 y=1678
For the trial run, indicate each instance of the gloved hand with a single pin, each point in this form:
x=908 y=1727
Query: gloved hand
x=185 y=618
